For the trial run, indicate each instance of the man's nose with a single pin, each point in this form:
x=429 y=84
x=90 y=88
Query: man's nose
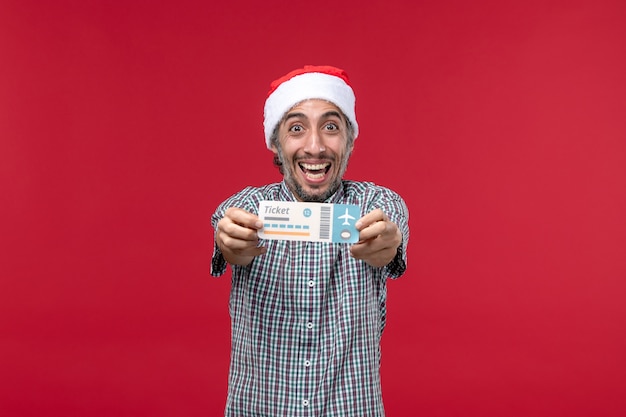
x=314 y=143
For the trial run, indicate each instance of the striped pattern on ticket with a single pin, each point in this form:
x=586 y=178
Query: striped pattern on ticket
x=313 y=222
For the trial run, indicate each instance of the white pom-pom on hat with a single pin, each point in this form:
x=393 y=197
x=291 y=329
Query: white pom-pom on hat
x=310 y=82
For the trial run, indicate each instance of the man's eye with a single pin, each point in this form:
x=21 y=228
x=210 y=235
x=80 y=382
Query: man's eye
x=295 y=129
x=330 y=126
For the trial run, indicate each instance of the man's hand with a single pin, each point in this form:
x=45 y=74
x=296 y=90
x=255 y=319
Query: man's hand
x=379 y=239
x=237 y=238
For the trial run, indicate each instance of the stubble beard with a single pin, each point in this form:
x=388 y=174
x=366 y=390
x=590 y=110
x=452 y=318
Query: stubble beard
x=300 y=192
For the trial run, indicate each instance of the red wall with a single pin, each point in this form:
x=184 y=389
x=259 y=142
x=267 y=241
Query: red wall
x=502 y=123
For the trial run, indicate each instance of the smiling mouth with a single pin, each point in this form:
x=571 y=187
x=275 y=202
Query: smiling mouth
x=315 y=171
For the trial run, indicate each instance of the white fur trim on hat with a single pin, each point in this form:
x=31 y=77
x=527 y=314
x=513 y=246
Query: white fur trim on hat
x=312 y=85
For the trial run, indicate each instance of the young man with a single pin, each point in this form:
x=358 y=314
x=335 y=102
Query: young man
x=307 y=316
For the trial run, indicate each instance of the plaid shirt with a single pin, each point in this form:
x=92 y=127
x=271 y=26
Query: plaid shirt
x=307 y=318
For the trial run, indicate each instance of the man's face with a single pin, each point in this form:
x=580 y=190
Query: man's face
x=313 y=148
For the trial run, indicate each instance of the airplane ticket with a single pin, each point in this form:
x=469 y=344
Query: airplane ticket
x=313 y=222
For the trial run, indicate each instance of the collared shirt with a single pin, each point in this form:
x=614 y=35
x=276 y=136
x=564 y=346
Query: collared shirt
x=307 y=318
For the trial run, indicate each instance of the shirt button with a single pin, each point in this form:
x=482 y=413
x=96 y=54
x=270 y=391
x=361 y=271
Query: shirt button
x=307 y=363
x=309 y=325
x=311 y=283
x=305 y=403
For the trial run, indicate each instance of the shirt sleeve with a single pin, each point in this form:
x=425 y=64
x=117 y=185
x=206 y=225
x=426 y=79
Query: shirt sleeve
x=396 y=209
x=218 y=263
x=397 y=266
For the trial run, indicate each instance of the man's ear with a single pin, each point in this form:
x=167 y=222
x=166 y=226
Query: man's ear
x=274 y=149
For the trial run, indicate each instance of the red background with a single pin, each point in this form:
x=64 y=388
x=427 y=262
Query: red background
x=502 y=123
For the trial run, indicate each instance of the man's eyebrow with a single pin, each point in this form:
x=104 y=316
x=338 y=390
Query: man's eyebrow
x=297 y=115
x=332 y=113
x=293 y=116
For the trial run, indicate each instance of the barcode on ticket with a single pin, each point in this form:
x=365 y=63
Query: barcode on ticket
x=325 y=222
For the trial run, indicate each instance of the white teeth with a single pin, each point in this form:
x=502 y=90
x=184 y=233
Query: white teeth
x=314 y=167
x=314 y=171
x=314 y=176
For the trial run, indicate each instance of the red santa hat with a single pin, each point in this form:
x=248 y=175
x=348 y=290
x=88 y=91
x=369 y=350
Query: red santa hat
x=311 y=82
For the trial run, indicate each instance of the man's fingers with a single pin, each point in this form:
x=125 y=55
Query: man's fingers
x=238 y=241
x=243 y=248
x=373 y=230
x=229 y=229
x=370 y=218
x=244 y=218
